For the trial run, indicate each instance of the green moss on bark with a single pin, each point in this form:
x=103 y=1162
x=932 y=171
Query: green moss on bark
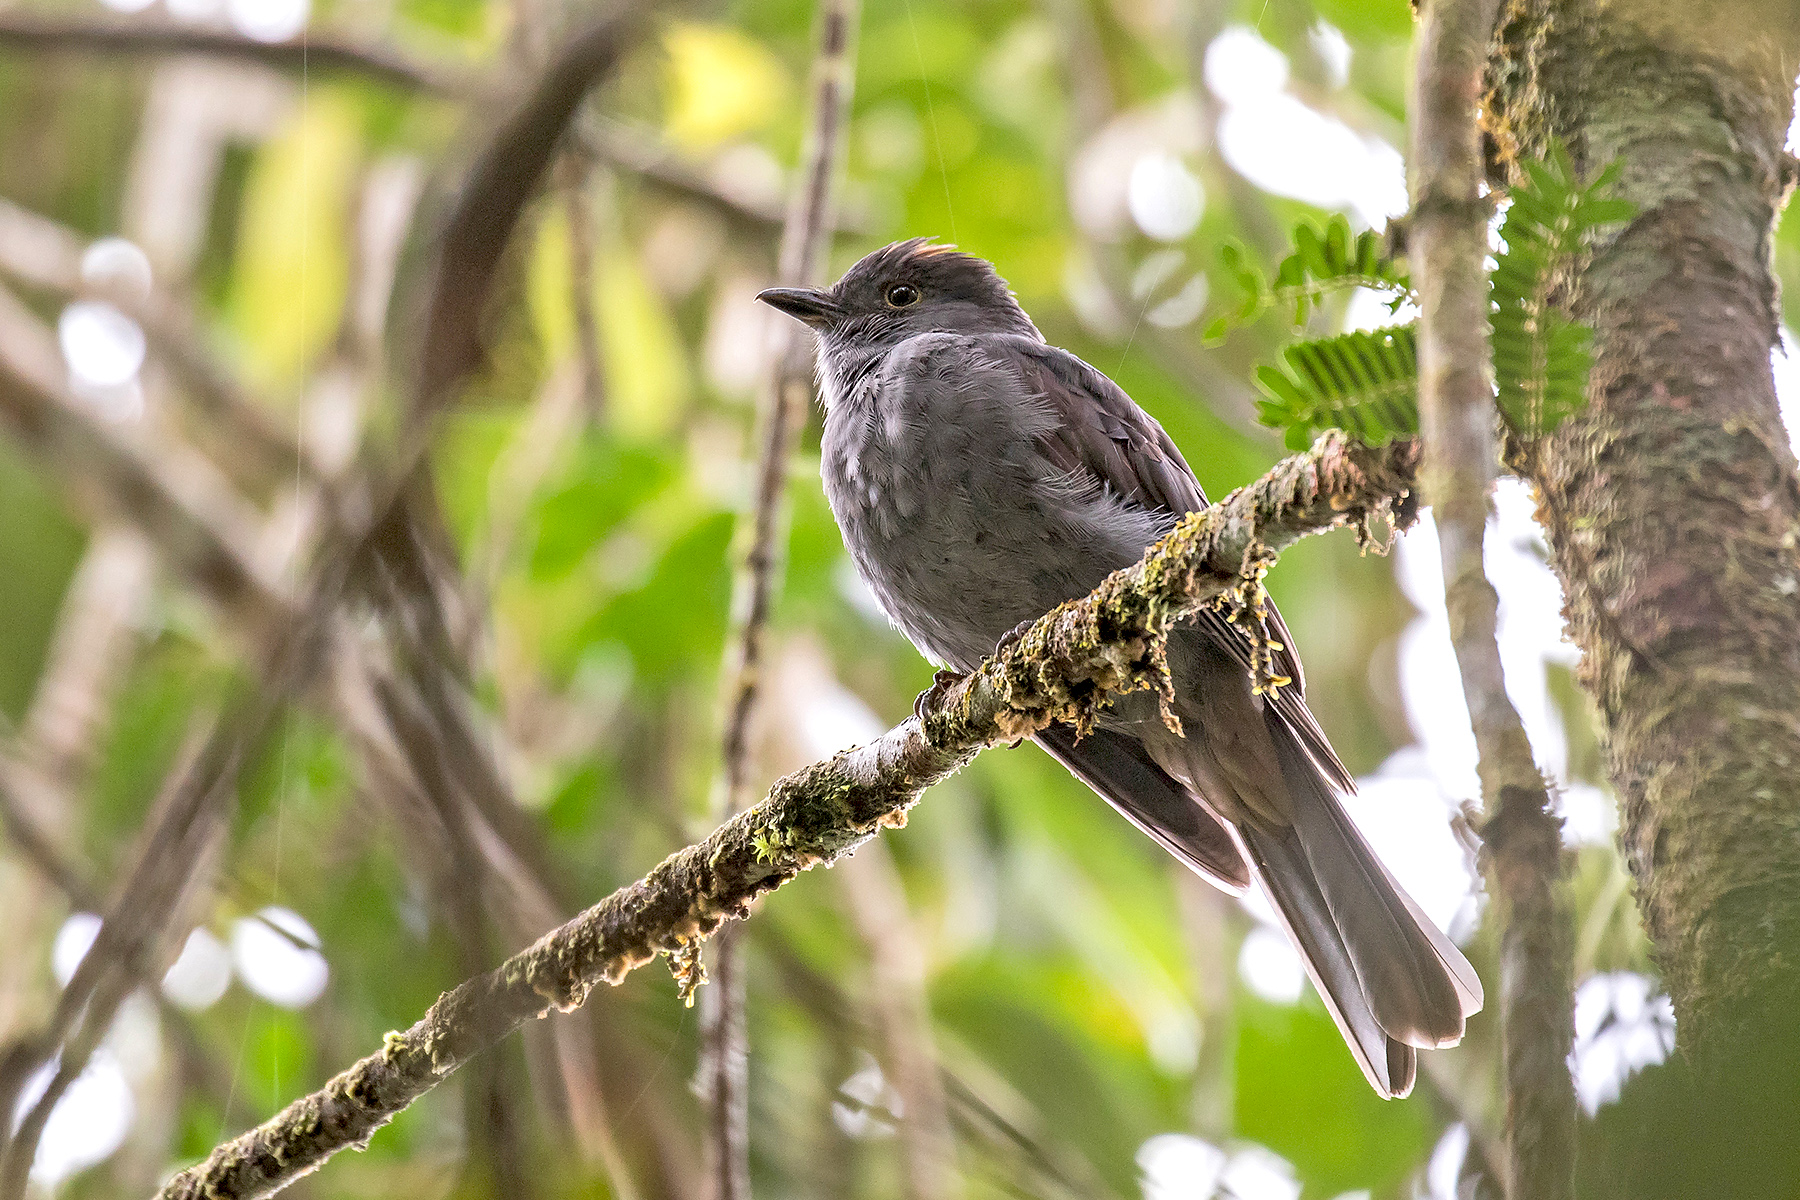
x=1671 y=503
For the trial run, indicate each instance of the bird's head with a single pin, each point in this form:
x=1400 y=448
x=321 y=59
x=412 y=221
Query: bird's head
x=908 y=288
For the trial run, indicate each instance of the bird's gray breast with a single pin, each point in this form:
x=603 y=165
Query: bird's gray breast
x=954 y=517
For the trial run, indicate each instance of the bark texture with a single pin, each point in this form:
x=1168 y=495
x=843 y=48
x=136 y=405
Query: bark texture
x=1673 y=511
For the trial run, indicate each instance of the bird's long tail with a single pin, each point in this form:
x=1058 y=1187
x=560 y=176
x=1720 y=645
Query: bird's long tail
x=1391 y=980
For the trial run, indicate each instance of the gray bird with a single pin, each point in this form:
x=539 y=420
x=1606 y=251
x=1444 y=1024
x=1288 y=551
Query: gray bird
x=981 y=477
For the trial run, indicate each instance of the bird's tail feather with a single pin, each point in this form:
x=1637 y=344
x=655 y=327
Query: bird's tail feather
x=1118 y=768
x=1391 y=980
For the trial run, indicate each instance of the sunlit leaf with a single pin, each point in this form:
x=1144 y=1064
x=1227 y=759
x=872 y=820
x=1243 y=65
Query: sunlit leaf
x=293 y=260
x=721 y=83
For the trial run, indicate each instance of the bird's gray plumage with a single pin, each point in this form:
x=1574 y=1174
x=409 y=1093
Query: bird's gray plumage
x=981 y=477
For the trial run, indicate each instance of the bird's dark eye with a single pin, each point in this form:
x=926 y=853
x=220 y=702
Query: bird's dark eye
x=901 y=295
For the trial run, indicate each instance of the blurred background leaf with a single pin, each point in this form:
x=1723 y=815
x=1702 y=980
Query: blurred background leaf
x=1103 y=1025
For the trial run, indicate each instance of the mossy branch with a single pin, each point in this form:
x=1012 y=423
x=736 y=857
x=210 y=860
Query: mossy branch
x=1068 y=665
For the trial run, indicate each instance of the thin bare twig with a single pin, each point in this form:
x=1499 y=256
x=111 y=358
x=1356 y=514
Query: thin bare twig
x=781 y=410
x=318 y=51
x=877 y=901
x=1448 y=245
x=760 y=209
x=502 y=178
x=105 y=467
x=574 y=177
x=182 y=832
x=1067 y=665
x=40 y=253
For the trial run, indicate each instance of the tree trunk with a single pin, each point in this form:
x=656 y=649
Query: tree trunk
x=1673 y=512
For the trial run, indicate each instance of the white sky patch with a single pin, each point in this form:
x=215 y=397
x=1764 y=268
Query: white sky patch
x=868 y=1106
x=1183 y=307
x=1531 y=640
x=1179 y=1166
x=1270 y=966
x=1446 y=1163
x=274 y=967
x=200 y=973
x=1620 y=1028
x=117 y=262
x=1531 y=636
x=1368 y=309
x=103 y=346
x=87 y=1124
x=1133 y=172
x=195 y=11
x=1241 y=68
x=1590 y=818
x=1165 y=198
x=135 y=1039
x=1258 y=1173
x=1282 y=146
x=1333 y=49
x=73 y=941
x=1429 y=683
x=268 y=20
x=1784 y=360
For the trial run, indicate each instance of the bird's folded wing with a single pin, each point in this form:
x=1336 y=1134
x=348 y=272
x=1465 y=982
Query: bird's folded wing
x=1099 y=433
x=1118 y=769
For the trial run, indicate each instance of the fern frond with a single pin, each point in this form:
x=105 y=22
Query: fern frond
x=1542 y=356
x=1365 y=382
x=1323 y=262
x=1334 y=261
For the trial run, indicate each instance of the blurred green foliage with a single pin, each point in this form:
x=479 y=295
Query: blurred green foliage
x=1084 y=997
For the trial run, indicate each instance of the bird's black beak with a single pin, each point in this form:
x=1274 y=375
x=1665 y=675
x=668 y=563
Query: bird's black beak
x=811 y=305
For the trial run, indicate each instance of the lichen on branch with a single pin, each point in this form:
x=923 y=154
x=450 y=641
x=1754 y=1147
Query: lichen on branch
x=1064 y=668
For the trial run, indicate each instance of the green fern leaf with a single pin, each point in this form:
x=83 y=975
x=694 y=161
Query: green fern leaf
x=1323 y=262
x=1364 y=382
x=1542 y=356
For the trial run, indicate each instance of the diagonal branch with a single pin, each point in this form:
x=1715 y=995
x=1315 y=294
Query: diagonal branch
x=750 y=204
x=204 y=529
x=114 y=470
x=1449 y=243
x=1069 y=663
x=502 y=178
x=317 y=51
x=41 y=253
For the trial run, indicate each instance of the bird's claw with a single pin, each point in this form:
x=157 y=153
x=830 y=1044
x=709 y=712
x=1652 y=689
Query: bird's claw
x=942 y=682
x=1014 y=636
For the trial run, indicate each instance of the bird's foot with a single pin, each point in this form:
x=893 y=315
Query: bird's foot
x=1014 y=636
x=942 y=682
